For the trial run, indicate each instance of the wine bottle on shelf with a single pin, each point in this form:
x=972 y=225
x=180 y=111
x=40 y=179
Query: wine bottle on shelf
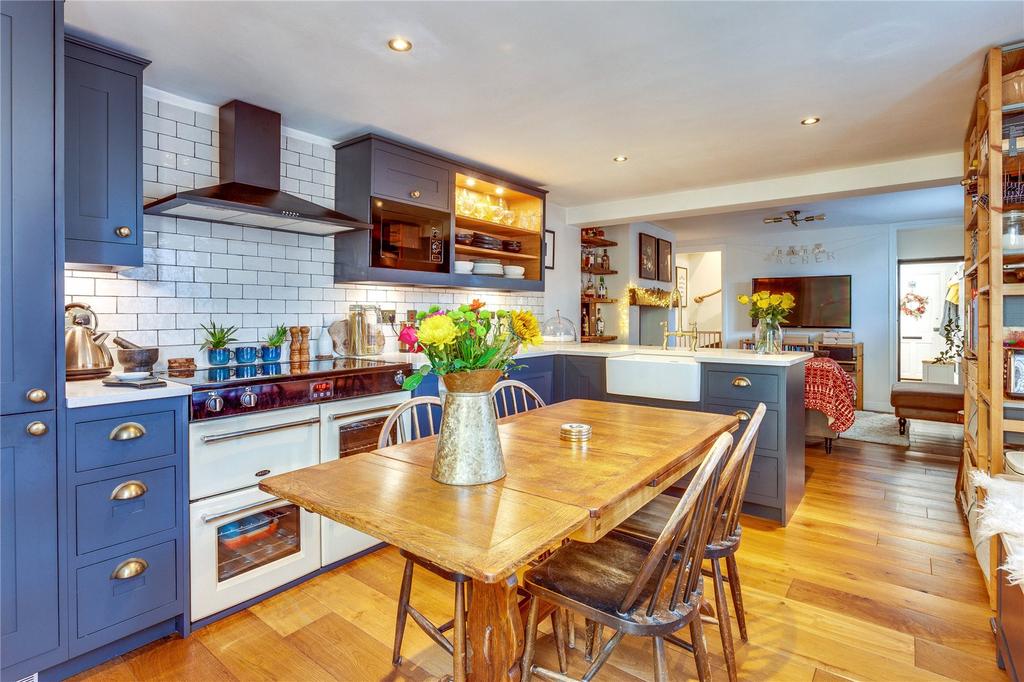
x=585 y=326
x=606 y=263
x=599 y=323
x=602 y=290
x=588 y=291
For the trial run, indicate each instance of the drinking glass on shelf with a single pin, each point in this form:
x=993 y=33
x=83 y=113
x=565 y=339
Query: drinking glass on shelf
x=508 y=217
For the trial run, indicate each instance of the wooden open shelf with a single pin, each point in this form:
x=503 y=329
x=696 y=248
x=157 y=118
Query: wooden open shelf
x=591 y=299
x=493 y=229
x=493 y=253
x=597 y=242
x=597 y=339
x=598 y=271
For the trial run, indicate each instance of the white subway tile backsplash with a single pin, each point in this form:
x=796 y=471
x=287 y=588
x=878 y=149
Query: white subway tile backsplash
x=253 y=278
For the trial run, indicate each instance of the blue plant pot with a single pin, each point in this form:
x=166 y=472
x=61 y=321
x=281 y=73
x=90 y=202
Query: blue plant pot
x=245 y=355
x=270 y=353
x=218 y=356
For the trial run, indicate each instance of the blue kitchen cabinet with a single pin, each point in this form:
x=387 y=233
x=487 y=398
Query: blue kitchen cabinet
x=28 y=219
x=103 y=155
x=29 y=557
x=539 y=374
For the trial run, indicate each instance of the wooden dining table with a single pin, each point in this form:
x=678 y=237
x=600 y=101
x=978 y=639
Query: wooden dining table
x=554 y=489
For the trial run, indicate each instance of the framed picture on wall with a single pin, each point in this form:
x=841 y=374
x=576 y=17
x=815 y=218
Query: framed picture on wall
x=664 y=260
x=549 y=249
x=1014 y=372
x=682 y=274
x=648 y=257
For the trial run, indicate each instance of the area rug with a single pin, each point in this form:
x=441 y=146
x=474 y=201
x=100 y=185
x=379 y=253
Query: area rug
x=877 y=427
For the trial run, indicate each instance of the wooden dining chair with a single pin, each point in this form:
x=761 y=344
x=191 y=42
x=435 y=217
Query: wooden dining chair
x=512 y=397
x=633 y=587
x=724 y=540
x=414 y=419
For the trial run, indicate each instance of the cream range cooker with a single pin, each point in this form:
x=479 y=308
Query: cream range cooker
x=252 y=421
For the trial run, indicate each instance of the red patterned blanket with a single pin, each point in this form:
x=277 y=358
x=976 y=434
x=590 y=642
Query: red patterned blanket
x=831 y=391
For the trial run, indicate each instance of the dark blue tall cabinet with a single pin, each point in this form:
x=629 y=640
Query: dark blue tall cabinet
x=31 y=247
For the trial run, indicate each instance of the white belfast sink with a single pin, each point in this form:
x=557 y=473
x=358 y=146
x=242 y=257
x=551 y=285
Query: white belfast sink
x=666 y=377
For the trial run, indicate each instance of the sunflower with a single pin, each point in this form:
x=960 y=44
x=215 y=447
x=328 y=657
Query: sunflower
x=525 y=327
x=743 y=298
x=437 y=330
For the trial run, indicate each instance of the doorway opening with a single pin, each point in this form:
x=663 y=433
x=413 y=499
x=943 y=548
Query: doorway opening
x=929 y=309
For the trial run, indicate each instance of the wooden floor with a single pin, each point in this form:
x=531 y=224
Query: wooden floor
x=874 y=579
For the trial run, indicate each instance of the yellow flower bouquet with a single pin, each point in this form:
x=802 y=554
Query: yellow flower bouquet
x=469 y=338
x=764 y=305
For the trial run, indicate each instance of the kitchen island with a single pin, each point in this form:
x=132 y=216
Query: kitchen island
x=723 y=381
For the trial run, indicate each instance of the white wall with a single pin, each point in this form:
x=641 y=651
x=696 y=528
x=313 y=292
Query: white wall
x=626 y=259
x=866 y=253
x=940 y=241
x=562 y=285
x=704 y=274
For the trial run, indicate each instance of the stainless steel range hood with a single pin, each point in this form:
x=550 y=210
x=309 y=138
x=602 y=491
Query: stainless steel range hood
x=250 y=189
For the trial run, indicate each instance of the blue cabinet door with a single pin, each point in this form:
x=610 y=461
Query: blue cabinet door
x=103 y=156
x=27 y=216
x=539 y=374
x=28 y=536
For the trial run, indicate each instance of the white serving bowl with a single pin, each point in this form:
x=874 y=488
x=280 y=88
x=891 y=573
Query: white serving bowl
x=514 y=270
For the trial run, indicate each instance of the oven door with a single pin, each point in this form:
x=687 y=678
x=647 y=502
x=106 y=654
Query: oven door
x=348 y=427
x=246 y=543
x=237 y=452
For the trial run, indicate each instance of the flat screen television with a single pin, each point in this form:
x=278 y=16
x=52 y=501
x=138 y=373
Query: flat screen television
x=823 y=302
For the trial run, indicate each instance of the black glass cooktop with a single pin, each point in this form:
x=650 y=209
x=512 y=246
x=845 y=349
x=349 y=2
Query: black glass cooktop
x=261 y=372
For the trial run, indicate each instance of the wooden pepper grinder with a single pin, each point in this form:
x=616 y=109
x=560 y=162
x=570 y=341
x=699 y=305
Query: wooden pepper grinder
x=295 y=350
x=304 y=347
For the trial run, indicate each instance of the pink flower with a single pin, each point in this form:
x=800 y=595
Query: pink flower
x=409 y=338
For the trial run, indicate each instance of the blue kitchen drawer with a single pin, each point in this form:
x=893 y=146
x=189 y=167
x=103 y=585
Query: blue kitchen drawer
x=96 y=444
x=763 y=485
x=742 y=384
x=767 y=437
x=104 y=602
x=103 y=522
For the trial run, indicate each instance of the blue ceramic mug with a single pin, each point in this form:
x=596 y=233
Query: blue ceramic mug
x=270 y=353
x=218 y=356
x=245 y=355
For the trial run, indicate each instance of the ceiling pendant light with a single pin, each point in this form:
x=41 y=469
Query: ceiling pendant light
x=794 y=218
x=399 y=44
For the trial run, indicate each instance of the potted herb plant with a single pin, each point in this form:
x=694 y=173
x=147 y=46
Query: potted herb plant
x=769 y=310
x=216 y=343
x=270 y=351
x=469 y=348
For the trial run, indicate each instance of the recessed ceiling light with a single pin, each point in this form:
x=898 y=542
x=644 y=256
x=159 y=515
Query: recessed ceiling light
x=499 y=190
x=399 y=44
x=620 y=159
x=470 y=182
x=810 y=120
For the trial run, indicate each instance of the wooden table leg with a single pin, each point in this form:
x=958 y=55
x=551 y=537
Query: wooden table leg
x=495 y=632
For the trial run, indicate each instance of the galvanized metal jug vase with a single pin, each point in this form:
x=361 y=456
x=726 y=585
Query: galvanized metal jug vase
x=468 y=448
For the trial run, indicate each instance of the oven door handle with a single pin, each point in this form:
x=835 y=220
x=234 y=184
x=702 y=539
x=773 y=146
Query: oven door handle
x=217 y=437
x=210 y=518
x=382 y=411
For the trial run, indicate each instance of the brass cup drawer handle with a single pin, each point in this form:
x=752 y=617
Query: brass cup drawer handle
x=128 y=431
x=742 y=415
x=129 y=568
x=37 y=395
x=123 y=231
x=741 y=382
x=37 y=429
x=129 y=490
x=415 y=194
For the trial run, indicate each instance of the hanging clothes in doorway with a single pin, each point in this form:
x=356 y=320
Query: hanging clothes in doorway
x=951 y=302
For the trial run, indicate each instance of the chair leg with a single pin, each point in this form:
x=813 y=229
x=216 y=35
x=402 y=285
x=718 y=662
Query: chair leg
x=572 y=628
x=828 y=446
x=403 y=612
x=724 y=624
x=526 y=669
x=660 y=668
x=700 y=651
x=737 y=594
x=588 y=640
x=558 y=627
x=459 y=643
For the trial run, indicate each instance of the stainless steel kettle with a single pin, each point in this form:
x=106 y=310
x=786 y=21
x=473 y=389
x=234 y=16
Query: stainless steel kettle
x=86 y=355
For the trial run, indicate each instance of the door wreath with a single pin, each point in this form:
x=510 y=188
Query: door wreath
x=913 y=305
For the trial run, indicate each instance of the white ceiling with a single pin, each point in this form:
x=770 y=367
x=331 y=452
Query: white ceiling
x=695 y=93
x=932 y=204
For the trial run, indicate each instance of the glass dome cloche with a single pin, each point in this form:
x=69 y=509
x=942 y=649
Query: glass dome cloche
x=558 y=329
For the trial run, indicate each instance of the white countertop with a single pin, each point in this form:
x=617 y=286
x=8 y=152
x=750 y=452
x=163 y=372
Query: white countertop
x=93 y=392
x=611 y=350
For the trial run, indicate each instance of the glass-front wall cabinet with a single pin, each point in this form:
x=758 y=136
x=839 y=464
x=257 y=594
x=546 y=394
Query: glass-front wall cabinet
x=409 y=237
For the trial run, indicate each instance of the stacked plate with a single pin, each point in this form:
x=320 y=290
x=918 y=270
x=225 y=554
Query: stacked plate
x=485 y=241
x=515 y=272
x=488 y=266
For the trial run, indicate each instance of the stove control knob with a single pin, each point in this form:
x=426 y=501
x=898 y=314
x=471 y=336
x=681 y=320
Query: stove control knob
x=214 y=403
x=399 y=378
x=248 y=399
